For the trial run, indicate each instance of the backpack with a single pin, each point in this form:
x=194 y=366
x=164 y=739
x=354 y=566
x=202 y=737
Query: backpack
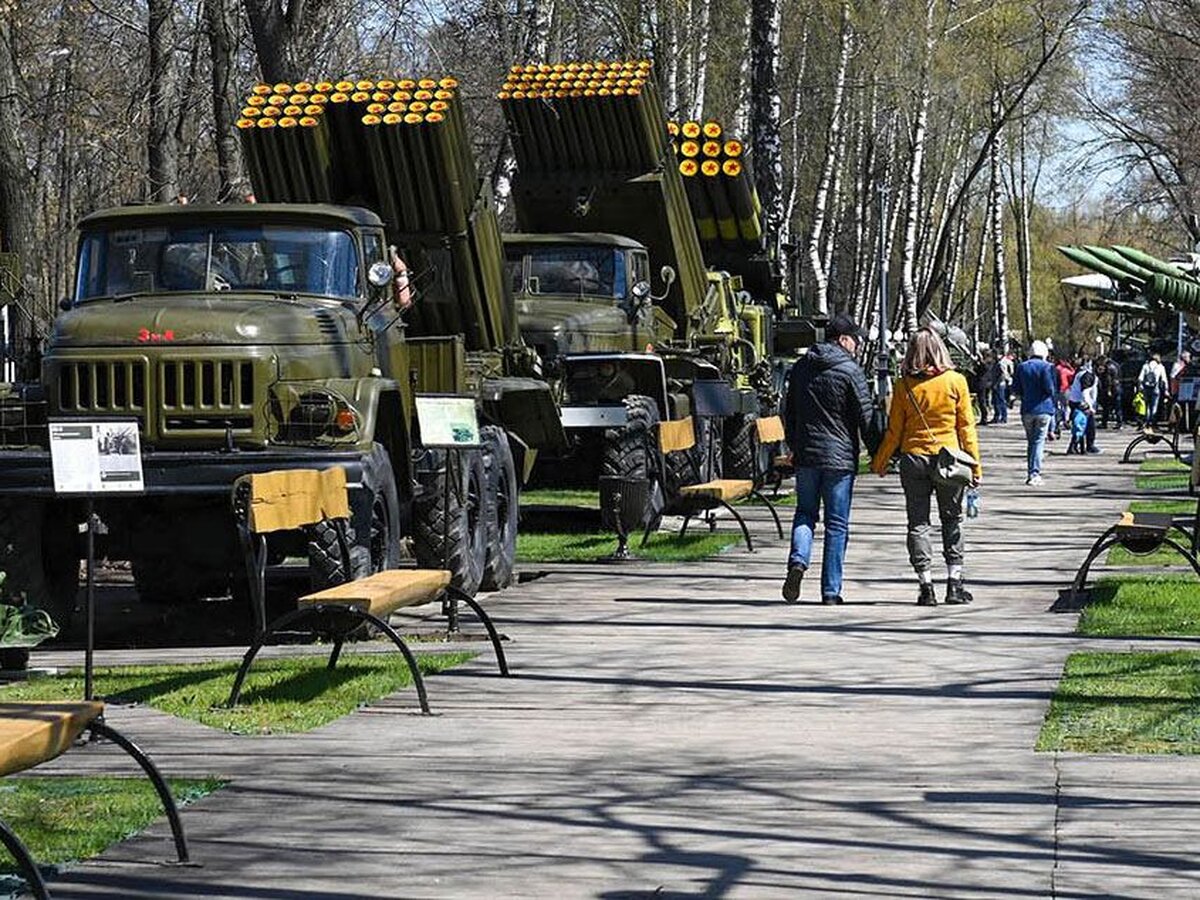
x=1149 y=379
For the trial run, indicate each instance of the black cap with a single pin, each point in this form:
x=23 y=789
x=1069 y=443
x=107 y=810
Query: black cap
x=842 y=324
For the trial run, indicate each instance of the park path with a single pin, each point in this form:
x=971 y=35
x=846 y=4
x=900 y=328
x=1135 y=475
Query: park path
x=676 y=731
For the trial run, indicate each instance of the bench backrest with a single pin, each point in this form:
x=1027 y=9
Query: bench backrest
x=770 y=430
x=290 y=499
x=676 y=435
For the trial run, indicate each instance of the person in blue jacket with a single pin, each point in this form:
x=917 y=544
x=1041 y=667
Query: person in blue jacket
x=1035 y=383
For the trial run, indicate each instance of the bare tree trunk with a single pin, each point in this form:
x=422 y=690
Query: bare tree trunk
x=1021 y=197
x=829 y=166
x=162 y=142
x=17 y=227
x=865 y=146
x=536 y=45
x=741 y=115
x=765 y=136
x=273 y=31
x=222 y=47
x=701 y=69
x=977 y=284
x=996 y=208
x=668 y=64
x=956 y=261
x=908 y=252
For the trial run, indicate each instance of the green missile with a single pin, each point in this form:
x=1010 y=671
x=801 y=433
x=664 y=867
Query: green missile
x=1088 y=261
x=1117 y=261
x=1153 y=263
x=1178 y=293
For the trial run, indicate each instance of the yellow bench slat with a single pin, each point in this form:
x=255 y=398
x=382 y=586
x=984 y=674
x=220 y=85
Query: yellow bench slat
x=726 y=489
x=292 y=498
x=677 y=434
x=770 y=430
x=33 y=733
x=385 y=591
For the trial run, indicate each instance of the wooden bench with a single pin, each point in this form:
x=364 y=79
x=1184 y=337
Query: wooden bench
x=679 y=436
x=301 y=498
x=34 y=733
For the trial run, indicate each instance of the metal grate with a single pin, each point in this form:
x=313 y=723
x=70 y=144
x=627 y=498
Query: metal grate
x=206 y=385
x=117 y=386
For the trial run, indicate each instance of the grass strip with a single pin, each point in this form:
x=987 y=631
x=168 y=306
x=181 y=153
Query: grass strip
x=1126 y=703
x=582 y=499
x=1142 y=607
x=590 y=546
x=1162 y=475
x=280 y=696
x=67 y=819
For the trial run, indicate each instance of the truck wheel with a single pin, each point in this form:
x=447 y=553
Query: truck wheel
x=502 y=500
x=708 y=448
x=632 y=451
x=742 y=447
x=378 y=548
x=459 y=544
x=39 y=553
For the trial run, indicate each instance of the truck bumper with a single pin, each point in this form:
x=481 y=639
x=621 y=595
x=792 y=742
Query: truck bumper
x=28 y=473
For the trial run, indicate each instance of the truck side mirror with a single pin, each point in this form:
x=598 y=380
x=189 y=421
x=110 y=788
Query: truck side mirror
x=64 y=304
x=380 y=274
x=667 y=274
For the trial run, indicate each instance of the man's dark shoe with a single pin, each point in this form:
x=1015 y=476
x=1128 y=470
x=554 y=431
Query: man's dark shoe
x=791 y=584
x=956 y=593
x=928 y=595
x=831 y=600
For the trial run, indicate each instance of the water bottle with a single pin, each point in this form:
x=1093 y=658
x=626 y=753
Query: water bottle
x=972 y=503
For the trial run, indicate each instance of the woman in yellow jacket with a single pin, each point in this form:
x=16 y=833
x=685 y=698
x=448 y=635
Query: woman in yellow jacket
x=931 y=409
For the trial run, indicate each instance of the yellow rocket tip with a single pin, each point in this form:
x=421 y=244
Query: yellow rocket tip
x=413 y=118
x=265 y=122
x=386 y=85
x=365 y=85
x=314 y=110
x=287 y=122
x=688 y=168
x=393 y=119
x=282 y=88
x=302 y=87
x=251 y=112
x=344 y=87
x=711 y=148
x=370 y=119
x=711 y=168
x=293 y=110
x=308 y=122
x=712 y=130
x=448 y=84
x=360 y=96
x=732 y=168
x=261 y=90
x=733 y=148
x=245 y=123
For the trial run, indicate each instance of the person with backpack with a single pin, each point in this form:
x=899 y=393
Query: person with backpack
x=1153 y=382
x=1112 y=392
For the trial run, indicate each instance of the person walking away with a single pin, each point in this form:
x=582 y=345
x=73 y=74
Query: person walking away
x=1004 y=367
x=828 y=406
x=1112 y=393
x=1153 y=381
x=1064 y=373
x=1037 y=385
x=985 y=388
x=931 y=409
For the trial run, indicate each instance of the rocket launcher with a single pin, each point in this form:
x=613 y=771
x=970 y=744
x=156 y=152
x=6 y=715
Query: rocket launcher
x=400 y=148
x=1141 y=280
x=594 y=154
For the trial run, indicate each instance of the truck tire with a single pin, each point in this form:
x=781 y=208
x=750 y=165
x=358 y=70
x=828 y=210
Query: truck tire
x=459 y=544
x=375 y=550
x=632 y=451
x=502 y=500
x=39 y=553
x=708 y=447
x=741 y=450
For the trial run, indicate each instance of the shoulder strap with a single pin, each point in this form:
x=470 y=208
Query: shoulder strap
x=920 y=412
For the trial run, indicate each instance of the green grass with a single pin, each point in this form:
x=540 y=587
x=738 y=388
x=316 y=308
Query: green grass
x=280 y=695
x=589 y=546
x=63 y=820
x=1166 y=556
x=1126 y=703
x=1162 y=475
x=564 y=497
x=1132 y=607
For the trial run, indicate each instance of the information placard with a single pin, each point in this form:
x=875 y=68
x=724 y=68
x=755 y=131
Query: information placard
x=101 y=457
x=447 y=420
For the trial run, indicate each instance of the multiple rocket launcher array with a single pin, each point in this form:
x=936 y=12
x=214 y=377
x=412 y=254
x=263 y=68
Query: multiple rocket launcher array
x=1153 y=283
x=400 y=148
x=720 y=186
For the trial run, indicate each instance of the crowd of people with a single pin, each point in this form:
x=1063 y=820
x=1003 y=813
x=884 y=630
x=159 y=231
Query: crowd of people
x=931 y=439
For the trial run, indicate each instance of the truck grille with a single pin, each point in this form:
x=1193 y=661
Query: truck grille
x=118 y=386
x=206 y=394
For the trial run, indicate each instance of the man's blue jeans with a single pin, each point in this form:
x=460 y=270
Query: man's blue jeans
x=833 y=489
x=1036 y=427
x=1000 y=402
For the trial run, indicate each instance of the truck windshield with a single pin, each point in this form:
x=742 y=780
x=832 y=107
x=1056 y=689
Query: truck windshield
x=163 y=259
x=578 y=270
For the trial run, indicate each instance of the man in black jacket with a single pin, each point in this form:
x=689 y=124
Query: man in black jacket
x=827 y=407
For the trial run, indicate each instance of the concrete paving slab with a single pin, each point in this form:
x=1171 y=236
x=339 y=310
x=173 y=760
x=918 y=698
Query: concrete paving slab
x=676 y=731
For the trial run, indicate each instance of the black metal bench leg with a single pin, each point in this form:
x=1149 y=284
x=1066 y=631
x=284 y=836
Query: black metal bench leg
x=683 y=530
x=333 y=657
x=1183 y=551
x=259 y=642
x=466 y=598
x=1102 y=543
x=742 y=523
x=25 y=864
x=646 y=534
x=1129 y=450
x=771 y=506
x=391 y=632
x=160 y=785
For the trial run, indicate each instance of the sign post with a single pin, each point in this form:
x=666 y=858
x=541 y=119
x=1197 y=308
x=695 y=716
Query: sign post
x=450 y=423
x=93 y=458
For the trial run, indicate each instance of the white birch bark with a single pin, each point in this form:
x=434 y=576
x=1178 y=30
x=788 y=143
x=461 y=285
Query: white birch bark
x=829 y=166
x=741 y=114
x=996 y=206
x=977 y=284
x=765 y=138
x=701 y=68
x=908 y=251
x=535 y=48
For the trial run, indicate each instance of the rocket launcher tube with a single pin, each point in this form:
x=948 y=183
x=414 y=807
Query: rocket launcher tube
x=706 y=221
x=737 y=186
x=1117 y=261
x=403 y=175
x=424 y=184
x=1181 y=294
x=1153 y=263
x=386 y=189
x=1082 y=257
x=447 y=186
x=714 y=186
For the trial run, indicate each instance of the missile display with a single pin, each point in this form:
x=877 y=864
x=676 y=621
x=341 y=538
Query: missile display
x=1141 y=282
x=720 y=184
x=399 y=147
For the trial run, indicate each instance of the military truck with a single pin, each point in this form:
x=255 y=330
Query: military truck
x=598 y=198
x=247 y=338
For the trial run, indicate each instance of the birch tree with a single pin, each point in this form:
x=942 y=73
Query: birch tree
x=765 y=134
x=162 y=143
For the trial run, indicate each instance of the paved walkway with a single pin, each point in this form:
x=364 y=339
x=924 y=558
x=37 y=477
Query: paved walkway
x=678 y=732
